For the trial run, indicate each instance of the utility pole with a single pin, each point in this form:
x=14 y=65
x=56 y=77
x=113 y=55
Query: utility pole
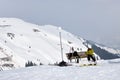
x=61 y=43
x=62 y=63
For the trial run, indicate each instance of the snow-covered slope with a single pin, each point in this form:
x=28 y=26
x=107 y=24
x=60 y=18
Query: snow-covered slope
x=111 y=50
x=23 y=42
x=104 y=52
x=107 y=70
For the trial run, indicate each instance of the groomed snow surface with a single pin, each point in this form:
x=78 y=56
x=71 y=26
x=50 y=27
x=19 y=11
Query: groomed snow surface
x=105 y=70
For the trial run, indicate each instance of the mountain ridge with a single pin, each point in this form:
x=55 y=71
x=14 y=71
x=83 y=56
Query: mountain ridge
x=23 y=42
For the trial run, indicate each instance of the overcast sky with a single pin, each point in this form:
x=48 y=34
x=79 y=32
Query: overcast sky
x=96 y=20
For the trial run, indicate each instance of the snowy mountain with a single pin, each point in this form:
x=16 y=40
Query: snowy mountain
x=103 y=51
x=21 y=42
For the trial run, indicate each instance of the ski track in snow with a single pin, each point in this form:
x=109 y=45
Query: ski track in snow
x=104 y=71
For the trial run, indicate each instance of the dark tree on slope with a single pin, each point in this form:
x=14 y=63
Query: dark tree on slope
x=30 y=63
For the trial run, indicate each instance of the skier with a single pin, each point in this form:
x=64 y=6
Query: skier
x=90 y=55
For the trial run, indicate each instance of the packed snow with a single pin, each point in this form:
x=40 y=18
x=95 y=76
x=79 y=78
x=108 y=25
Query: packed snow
x=105 y=70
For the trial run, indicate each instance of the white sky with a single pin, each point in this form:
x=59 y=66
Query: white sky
x=97 y=20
